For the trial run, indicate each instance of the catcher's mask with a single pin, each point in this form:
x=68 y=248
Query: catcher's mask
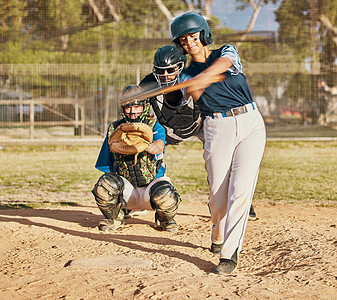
x=190 y=22
x=131 y=112
x=168 y=63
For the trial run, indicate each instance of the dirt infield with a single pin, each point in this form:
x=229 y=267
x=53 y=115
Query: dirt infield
x=290 y=252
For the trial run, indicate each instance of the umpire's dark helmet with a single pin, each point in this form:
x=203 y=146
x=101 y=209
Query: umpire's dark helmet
x=168 y=60
x=191 y=22
x=168 y=56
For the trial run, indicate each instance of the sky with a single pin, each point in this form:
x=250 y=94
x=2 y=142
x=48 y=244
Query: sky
x=226 y=11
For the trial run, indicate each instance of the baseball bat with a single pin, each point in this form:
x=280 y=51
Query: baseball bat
x=152 y=91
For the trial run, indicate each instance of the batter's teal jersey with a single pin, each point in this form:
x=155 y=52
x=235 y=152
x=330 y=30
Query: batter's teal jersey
x=221 y=96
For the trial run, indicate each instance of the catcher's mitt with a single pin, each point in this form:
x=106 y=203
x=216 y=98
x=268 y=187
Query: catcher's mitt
x=130 y=138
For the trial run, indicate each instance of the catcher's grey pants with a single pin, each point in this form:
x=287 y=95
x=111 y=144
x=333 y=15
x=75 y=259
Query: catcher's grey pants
x=139 y=198
x=233 y=150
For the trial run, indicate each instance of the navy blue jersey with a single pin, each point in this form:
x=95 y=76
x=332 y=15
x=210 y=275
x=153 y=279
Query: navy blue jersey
x=224 y=95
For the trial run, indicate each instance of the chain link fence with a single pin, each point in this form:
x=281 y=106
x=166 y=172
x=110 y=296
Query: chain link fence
x=45 y=101
x=66 y=83
x=51 y=101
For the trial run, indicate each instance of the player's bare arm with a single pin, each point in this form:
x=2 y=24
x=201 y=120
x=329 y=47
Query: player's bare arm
x=204 y=79
x=156 y=147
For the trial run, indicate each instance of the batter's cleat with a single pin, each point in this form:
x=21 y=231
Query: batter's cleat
x=215 y=248
x=226 y=266
x=109 y=225
x=252 y=214
x=168 y=225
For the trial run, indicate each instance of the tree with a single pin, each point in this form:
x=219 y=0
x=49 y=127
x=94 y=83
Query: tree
x=308 y=31
x=256 y=4
x=162 y=7
x=12 y=14
x=308 y=27
x=326 y=23
x=197 y=5
x=327 y=17
x=54 y=18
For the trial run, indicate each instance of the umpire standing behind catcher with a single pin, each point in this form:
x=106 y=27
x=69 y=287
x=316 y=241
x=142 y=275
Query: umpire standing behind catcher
x=180 y=117
x=234 y=134
x=132 y=159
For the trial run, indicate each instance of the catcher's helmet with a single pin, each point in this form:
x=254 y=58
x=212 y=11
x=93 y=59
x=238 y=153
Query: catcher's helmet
x=191 y=22
x=145 y=103
x=168 y=63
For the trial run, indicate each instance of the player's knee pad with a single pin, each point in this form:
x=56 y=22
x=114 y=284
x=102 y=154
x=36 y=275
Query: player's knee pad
x=108 y=189
x=164 y=199
x=108 y=192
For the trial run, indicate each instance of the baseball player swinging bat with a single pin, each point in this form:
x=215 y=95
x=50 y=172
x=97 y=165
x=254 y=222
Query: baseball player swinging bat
x=154 y=90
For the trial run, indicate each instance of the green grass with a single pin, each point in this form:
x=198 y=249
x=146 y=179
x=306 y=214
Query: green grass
x=299 y=172
x=47 y=174
x=291 y=172
x=299 y=130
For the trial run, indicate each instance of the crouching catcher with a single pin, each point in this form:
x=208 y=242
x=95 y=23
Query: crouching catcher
x=134 y=176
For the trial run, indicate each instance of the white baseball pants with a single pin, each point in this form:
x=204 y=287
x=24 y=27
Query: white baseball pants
x=139 y=197
x=233 y=150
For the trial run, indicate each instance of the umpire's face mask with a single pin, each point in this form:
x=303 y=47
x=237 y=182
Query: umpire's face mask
x=168 y=75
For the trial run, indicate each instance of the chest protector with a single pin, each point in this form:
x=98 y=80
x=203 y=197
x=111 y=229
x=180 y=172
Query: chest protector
x=145 y=169
x=181 y=120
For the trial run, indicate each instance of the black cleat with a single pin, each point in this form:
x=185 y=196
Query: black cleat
x=226 y=266
x=215 y=248
x=252 y=214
